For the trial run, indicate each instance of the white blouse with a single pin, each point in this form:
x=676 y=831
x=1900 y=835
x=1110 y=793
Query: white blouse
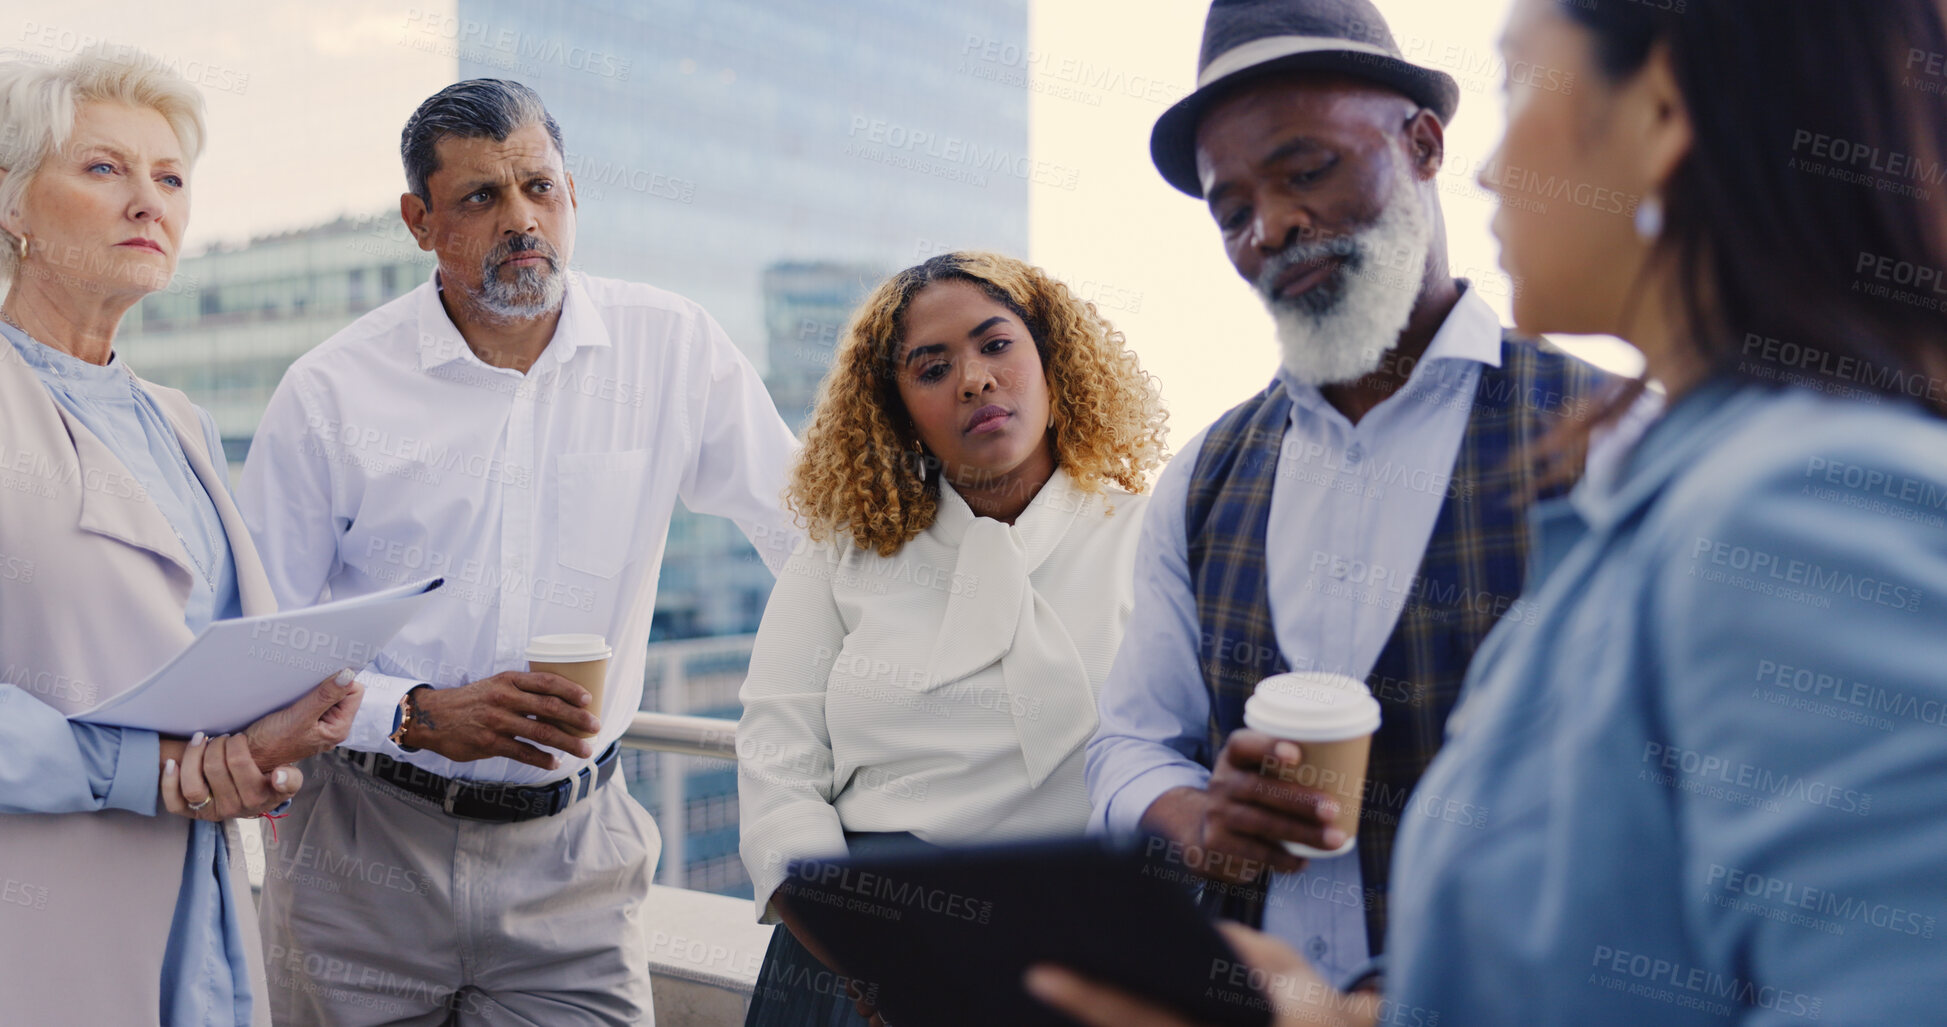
x=946 y=690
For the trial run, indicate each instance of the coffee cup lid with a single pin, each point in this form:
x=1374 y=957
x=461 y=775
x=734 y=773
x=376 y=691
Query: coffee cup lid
x=1312 y=706
x=568 y=648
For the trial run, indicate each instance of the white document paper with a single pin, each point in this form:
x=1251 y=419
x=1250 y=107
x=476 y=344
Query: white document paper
x=238 y=670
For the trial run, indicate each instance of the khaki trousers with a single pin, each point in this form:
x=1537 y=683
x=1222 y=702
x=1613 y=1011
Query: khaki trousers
x=379 y=908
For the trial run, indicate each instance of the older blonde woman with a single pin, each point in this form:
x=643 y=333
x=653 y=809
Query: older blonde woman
x=927 y=667
x=118 y=542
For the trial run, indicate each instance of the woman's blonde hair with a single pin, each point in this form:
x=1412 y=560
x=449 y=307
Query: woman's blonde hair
x=857 y=473
x=38 y=104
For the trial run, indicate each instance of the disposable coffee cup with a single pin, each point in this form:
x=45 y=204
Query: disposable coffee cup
x=1332 y=718
x=582 y=659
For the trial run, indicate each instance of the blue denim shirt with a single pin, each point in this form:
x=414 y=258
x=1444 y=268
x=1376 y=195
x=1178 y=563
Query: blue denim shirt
x=1708 y=783
x=62 y=766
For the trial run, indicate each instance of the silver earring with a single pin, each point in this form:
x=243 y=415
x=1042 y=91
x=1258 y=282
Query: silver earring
x=1649 y=219
x=920 y=464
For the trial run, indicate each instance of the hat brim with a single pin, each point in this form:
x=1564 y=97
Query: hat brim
x=1173 y=142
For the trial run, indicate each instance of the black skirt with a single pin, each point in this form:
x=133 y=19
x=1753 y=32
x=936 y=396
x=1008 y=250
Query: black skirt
x=794 y=989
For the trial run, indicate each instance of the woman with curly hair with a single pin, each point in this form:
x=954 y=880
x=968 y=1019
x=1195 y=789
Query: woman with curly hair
x=926 y=671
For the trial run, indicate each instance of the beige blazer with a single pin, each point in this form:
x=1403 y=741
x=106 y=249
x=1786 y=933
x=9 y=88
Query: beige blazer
x=93 y=582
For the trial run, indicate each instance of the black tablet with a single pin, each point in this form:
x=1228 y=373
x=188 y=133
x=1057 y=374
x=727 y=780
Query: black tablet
x=946 y=935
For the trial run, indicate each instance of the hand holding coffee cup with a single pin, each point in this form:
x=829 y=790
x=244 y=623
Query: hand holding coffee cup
x=1255 y=813
x=1331 y=718
x=582 y=659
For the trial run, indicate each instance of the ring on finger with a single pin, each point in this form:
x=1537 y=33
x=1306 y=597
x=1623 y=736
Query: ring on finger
x=197 y=807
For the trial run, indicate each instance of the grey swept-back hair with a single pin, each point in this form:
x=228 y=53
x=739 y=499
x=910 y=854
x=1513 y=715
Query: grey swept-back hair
x=473 y=109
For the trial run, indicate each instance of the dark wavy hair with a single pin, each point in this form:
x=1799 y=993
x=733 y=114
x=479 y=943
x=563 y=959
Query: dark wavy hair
x=1790 y=271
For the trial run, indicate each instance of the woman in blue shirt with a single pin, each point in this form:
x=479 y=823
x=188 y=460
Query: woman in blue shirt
x=1707 y=782
x=118 y=543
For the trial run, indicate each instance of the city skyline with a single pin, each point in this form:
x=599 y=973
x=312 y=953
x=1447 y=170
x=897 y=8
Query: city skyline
x=306 y=103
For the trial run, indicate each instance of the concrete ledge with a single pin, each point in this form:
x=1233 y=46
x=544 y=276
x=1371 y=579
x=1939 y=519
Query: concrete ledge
x=705 y=952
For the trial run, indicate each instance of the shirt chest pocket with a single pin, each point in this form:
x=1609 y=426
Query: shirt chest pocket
x=599 y=500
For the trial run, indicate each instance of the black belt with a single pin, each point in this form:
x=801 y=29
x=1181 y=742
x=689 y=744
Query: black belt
x=494 y=803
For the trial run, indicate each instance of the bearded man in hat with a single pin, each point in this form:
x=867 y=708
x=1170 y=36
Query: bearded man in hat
x=1362 y=515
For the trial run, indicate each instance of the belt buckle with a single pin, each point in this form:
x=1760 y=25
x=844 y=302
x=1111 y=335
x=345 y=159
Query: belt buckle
x=452 y=794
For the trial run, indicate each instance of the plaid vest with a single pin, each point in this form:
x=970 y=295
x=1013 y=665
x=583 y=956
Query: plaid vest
x=1471 y=574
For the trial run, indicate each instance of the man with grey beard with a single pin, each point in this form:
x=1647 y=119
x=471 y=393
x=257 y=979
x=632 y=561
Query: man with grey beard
x=523 y=431
x=1361 y=516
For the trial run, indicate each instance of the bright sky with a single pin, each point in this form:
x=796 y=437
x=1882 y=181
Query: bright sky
x=310 y=80
x=294 y=91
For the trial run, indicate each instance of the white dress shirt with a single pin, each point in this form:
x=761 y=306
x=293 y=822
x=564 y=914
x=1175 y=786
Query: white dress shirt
x=947 y=690
x=391 y=453
x=1352 y=509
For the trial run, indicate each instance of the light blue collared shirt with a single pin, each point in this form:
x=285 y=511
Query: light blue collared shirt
x=1715 y=761
x=49 y=764
x=1352 y=508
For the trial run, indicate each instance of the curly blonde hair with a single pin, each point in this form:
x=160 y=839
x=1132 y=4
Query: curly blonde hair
x=856 y=474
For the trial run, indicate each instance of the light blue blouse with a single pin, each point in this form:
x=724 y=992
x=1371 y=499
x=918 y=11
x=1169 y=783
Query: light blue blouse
x=1707 y=783
x=51 y=765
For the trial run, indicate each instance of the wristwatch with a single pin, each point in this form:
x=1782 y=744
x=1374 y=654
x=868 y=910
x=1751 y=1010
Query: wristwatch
x=402 y=718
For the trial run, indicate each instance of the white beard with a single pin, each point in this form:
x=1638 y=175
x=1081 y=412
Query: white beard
x=1342 y=329
x=533 y=292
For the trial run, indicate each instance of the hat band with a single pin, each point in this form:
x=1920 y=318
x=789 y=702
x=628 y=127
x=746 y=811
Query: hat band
x=1271 y=48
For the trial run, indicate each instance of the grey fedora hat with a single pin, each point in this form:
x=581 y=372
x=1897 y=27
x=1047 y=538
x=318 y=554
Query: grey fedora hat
x=1249 y=39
